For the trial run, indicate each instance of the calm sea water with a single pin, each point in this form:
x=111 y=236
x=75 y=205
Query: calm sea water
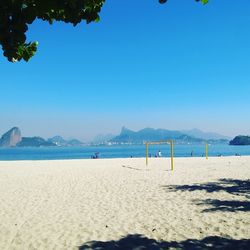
x=125 y=151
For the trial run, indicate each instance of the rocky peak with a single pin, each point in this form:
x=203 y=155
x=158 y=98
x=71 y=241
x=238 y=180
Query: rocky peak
x=11 y=138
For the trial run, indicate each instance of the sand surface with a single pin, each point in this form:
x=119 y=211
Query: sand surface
x=122 y=204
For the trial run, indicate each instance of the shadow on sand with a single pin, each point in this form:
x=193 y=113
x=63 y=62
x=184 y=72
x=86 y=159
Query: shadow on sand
x=238 y=188
x=225 y=206
x=140 y=242
x=231 y=186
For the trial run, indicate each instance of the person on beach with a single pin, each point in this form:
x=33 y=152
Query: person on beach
x=95 y=156
x=159 y=153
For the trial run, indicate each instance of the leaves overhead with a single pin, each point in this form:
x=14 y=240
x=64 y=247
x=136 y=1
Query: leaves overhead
x=16 y=15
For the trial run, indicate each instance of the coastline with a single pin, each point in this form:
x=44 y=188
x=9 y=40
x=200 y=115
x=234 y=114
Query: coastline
x=107 y=152
x=68 y=204
x=126 y=158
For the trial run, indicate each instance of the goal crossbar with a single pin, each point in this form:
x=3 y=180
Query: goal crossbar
x=171 y=142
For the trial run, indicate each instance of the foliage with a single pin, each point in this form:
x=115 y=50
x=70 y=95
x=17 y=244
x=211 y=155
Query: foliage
x=16 y=15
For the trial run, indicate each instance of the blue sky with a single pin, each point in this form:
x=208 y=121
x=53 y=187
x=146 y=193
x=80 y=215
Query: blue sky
x=181 y=65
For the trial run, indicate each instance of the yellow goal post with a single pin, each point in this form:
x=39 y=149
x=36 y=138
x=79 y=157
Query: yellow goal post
x=171 y=142
x=206 y=150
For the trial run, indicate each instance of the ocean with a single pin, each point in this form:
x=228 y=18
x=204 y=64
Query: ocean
x=115 y=151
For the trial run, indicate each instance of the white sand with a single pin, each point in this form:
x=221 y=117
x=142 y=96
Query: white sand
x=64 y=204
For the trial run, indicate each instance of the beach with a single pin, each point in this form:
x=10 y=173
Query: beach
x=124 y=204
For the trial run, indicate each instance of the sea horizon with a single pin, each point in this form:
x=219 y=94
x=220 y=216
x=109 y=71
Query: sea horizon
x=118 y=151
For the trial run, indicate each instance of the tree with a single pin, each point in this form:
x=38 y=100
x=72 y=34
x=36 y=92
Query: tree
x=16 y=15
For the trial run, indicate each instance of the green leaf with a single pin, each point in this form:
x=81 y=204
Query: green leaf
x=204 y=1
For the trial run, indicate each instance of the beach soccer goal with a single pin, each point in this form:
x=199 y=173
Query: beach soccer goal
x=169 y=142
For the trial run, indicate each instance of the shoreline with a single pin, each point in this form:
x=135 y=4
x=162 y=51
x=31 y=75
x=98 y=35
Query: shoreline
x=15 y=154
x=122 y=158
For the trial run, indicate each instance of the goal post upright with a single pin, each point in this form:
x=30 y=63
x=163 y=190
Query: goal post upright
x=206 y=150
x=172 y=154
x=171 y=142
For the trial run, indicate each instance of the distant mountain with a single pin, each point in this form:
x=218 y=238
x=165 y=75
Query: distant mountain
x=204 y=135
x=34 y=142
x=149 y=134
x=11 y=138
x=102 y=139
x=240 y=140
x=59 y=141
x=75 y=143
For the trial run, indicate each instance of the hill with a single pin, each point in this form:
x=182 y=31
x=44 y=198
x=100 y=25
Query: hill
x=34 y=142
x=240 y=140
x=11 y=138
x=59 y=141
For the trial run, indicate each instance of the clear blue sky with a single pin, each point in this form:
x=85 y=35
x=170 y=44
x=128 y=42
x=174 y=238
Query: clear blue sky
x=177 y=66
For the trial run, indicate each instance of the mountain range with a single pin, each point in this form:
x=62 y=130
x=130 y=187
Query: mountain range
x=204 y=135
x=128 y=136
x=13 y=138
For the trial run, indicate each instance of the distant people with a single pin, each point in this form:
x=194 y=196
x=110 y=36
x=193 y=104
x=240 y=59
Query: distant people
x=159 y=153
x=150 y=155
x=192 y=153
x=95 y=156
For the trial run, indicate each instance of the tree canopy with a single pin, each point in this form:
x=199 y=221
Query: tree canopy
x=16 y=15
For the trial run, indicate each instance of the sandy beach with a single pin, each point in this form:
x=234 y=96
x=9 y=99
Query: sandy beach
x=122 y=204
